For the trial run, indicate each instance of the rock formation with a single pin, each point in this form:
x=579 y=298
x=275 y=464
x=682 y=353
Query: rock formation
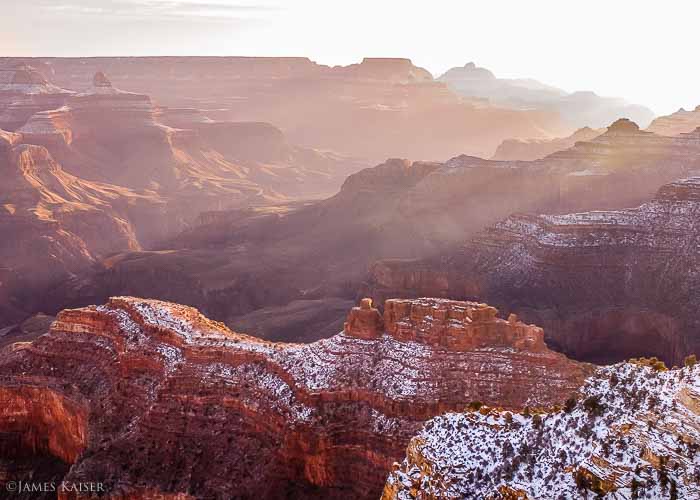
x=23 y=92
x=535 y=149
x=680 y=122
x=577 y=109
x=154 y=400
x=347 y=109
x=606 y=285
x=631 y=432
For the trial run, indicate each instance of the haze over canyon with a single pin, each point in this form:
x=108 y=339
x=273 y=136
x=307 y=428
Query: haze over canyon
x=267 y=277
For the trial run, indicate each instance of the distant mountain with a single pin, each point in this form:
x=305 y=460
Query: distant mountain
x=376 y=109
x=680 y=122
x=577 y=109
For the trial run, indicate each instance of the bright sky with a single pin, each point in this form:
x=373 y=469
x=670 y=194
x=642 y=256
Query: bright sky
x=643 y=50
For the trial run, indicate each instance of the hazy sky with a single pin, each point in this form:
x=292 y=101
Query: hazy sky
x=643 y=50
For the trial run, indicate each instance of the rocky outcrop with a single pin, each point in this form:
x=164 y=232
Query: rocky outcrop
x=631 y=432
x=460 y=326
x=24 y=92
x=535 y=149
x=680 y=122
x=605 y=285
x=164 y=400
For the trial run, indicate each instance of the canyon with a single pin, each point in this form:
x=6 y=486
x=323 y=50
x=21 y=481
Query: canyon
x=154 y=400
x=605 y=285
x=377 y=109
x=237 y=262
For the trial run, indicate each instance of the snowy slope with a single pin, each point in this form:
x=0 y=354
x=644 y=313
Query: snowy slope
x=632 y=432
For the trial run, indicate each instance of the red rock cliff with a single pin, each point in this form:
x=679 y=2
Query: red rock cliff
x=179 y=404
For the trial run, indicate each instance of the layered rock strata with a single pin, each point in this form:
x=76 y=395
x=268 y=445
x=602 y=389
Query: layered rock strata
x=23 y=92
x=180 y=405
x=605 y=285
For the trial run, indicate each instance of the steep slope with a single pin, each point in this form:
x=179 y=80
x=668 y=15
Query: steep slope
x=606 y=285
x=378 y=109
x=632 y=432
x=155 y=401
x=577 y=109
x=534 y=149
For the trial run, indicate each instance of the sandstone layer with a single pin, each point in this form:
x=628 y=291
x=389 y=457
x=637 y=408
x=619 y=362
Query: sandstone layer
x=152 y=398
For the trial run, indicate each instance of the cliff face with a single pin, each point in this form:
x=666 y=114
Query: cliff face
x=631 y=432
x=606 y=285
x=153 y=398
x=347 y=109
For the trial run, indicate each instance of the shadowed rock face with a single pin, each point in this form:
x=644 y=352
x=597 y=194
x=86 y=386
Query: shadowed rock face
x=606 y=285
x=43 y=433
x=179 y=404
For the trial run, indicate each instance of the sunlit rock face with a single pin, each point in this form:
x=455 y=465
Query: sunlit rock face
x=54 y=225
x=605 y=285
x=208 y=409
x=630 y=432
x=23 y=92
